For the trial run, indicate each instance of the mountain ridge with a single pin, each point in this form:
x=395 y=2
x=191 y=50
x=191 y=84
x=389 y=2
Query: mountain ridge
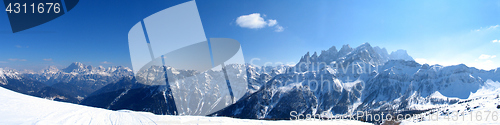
x=70 y=84
x=364 y=78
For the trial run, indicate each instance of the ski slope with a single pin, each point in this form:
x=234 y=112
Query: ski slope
x=22 y=109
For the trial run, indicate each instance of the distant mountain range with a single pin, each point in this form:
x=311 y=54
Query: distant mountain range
x=342 y=81
x=71 y=84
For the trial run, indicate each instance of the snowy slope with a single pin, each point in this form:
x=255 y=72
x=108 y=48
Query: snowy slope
x=23 y=109
x=482 y=107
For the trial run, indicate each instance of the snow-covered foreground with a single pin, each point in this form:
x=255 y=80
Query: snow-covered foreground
x=17 y=108
x=480 y=108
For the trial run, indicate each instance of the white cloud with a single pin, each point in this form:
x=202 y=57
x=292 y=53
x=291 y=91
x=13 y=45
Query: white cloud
x=106 y=62
x=496 y=41
x=479 y=64
x=17 y=59
x=434 y=62
x=279 y=28
x=19 y=46
x=256 y=21
x=494 y=27
x=484 y=64
x=272 y=22
x=252 y=21
x=49 y=59
x=425 y=61
x=489 y=28
x=484 y=56
x=421 y=60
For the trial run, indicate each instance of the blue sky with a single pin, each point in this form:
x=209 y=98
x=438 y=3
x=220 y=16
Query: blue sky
x=435 y=32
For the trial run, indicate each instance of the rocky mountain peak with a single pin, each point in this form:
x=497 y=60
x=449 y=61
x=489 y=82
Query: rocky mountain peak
x=50 y=69
x=75 y=66
x=400 y=55
x=344 y=50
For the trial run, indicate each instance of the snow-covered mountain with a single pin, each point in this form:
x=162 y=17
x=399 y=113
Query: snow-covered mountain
x=400 y=54
x=81 y=74
x=12 y=79
x=8 y=74
x=359 y=80
x=70 y=84
x=364 y=78
x=143 y=95
x=363 y=53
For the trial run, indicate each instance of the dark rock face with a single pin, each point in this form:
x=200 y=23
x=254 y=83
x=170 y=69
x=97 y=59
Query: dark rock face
x=130 y=95
x=269 y=104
